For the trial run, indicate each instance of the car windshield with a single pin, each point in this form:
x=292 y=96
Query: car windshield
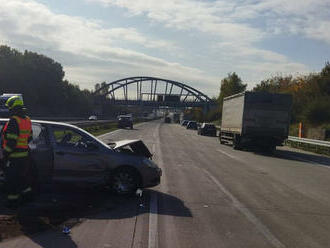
x=124 y=118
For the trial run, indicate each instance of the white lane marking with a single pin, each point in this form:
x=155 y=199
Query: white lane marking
x=231 y=156
x=153 y=212
x=153 y=221
x=248 y=214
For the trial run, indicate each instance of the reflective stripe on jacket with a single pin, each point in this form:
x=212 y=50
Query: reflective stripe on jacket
x=22 y=139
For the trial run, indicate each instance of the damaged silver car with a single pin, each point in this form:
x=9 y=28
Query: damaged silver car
x=65 y=153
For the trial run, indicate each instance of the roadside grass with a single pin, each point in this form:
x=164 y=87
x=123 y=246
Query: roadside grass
x=100 y=129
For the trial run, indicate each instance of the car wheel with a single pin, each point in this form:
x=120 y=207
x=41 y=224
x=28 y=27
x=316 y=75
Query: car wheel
x=124 y=181
x=237 y=143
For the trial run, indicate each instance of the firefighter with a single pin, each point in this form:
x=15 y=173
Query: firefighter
x=16 y=135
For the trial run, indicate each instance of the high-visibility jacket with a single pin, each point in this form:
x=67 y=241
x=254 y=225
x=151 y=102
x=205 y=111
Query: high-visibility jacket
x=22 y=138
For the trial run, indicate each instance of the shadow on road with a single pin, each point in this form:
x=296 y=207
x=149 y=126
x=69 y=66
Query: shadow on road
x=304 y=157
x=167 y=205
x=42 y=221
x=295 y=156
x=290 y=155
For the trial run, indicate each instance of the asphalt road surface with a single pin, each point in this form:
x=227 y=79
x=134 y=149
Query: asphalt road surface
x=210 y=196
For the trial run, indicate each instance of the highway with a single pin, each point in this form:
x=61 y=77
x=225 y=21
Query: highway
x=210 y=196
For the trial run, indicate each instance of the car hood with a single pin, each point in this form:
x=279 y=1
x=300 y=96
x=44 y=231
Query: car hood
x=137 y=146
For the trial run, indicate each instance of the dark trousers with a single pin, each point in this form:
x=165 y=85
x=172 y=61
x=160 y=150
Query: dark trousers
x=17 y=175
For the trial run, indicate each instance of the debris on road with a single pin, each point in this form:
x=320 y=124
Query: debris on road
x=66 y=230
x=139 y=192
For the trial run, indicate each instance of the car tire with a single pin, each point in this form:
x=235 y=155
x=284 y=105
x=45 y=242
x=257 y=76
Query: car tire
x=124 y=181
x=237 y=142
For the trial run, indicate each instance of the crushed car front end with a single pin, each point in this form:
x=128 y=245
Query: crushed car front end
x=135 y=152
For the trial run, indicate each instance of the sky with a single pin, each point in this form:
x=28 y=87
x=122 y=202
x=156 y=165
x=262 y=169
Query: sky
x=191 y=41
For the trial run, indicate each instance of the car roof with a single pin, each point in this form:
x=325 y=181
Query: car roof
x=45 y=122
x=63 y=124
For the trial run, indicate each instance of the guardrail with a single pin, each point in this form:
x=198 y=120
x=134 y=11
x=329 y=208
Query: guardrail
x=90 y=123
x=309 y=141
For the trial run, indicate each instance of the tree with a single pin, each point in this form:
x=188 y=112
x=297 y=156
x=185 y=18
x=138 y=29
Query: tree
x=97 y=87
x=41 y=81
x=311 y=94
x=105 y=88
x=326 y=70
x=230 y=85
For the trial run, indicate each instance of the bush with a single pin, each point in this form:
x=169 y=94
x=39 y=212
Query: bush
x=318 y=111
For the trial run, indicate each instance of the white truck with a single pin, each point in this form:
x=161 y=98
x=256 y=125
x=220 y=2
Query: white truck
x=255 y=119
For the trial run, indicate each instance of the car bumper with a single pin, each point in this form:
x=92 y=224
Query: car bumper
x=153 y=177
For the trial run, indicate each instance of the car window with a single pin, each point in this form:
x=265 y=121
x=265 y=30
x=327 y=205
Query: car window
x=39 y=135
x=67 y=137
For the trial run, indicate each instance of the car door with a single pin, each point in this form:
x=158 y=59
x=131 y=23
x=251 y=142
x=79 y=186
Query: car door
x=42 y=152
x=76 y=156
x=2 y=123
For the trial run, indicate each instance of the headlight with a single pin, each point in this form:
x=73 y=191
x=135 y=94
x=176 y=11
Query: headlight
x=149 y=163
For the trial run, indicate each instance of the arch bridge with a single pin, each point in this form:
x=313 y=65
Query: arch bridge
x=153 y=92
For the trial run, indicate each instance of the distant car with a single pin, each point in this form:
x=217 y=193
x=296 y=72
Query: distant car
x=192 y=125
x=65 y=153
x=92 y=118
x=125 y=121
x=207 y=129
x=167 y=120
x=184 y=123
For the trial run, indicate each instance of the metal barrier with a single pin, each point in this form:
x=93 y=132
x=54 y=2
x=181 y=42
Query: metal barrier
x=309 y=141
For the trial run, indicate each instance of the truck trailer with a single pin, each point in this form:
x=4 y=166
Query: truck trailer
x=255 y=119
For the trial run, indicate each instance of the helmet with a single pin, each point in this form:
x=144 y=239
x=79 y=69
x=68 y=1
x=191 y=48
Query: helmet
x=14 y=101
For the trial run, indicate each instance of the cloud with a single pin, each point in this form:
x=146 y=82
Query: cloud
x=227 y=21
x=207 y=17
x=29 y=18
x=231 y=33
x=309 y=18
x=89 y=52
